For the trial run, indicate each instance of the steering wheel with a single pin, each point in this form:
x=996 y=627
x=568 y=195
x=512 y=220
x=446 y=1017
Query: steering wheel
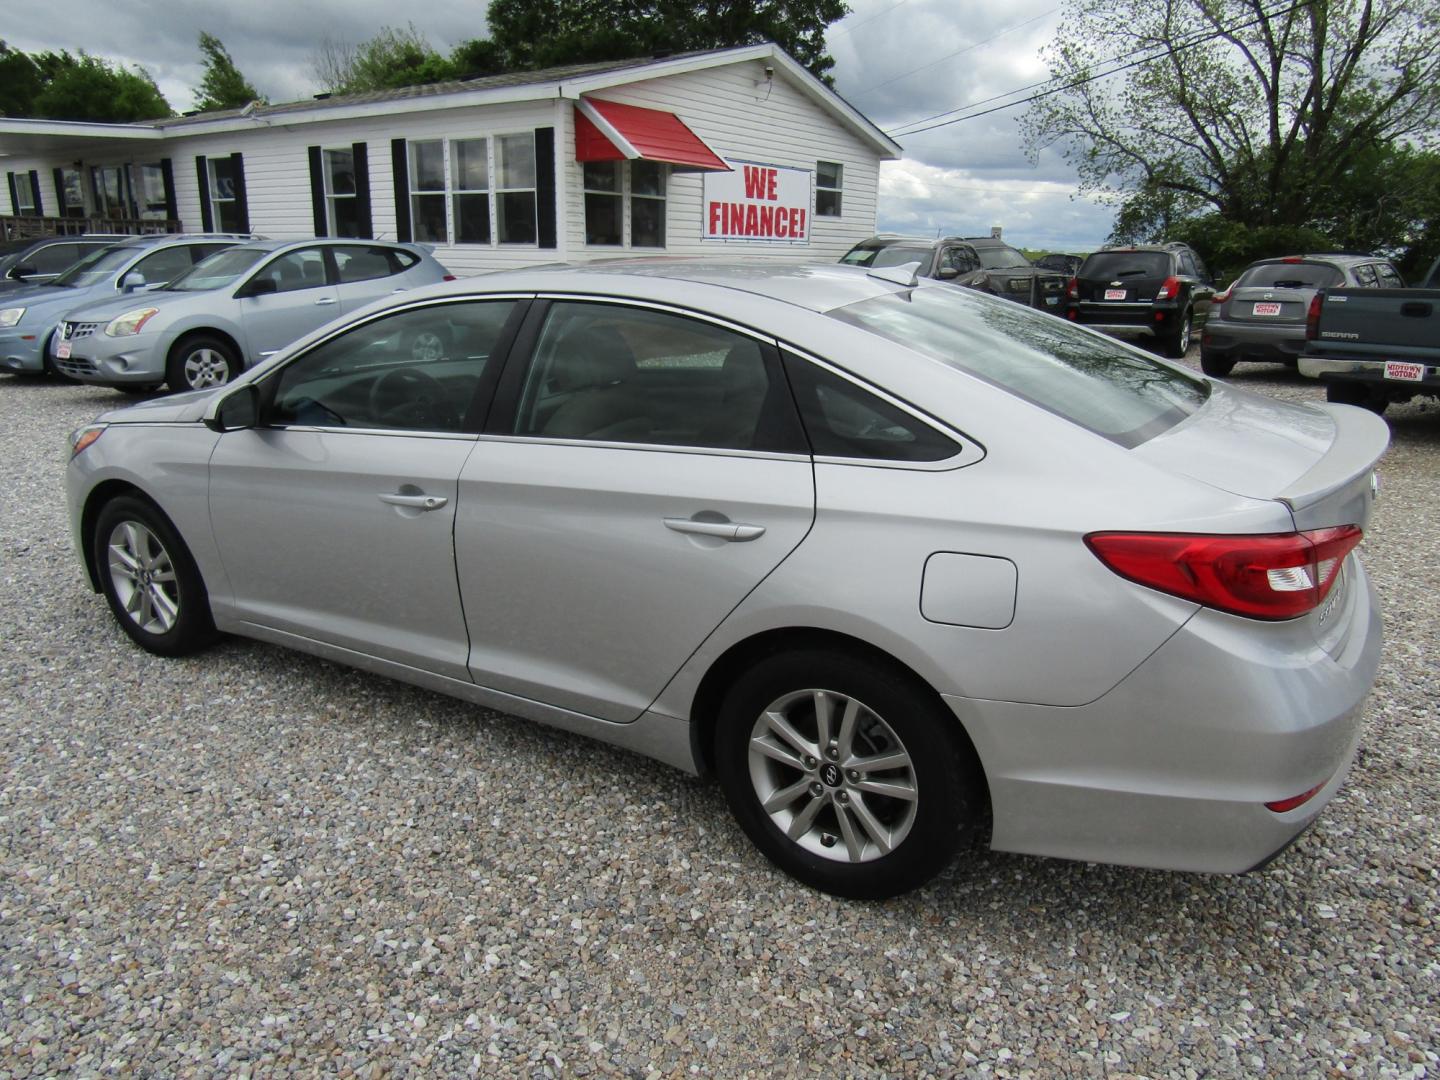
x=406 y=397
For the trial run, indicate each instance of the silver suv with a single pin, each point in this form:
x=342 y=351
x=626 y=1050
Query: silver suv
x=1261 y=316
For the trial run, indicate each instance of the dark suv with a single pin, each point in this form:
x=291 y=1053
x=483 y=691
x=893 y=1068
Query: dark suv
x=1159 y=291
x=978 y=262
x=41 y=260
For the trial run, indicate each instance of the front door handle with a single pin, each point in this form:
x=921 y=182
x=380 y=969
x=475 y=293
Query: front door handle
x=725 y=530
x=325 y=301
x=418 y=502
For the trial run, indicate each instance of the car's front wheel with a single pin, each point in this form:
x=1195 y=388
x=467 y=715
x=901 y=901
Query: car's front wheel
x=847 y=774
x=150 y=579
x=200 y=362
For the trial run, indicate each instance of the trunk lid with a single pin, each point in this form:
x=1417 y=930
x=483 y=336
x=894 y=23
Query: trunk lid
x=1267 y=305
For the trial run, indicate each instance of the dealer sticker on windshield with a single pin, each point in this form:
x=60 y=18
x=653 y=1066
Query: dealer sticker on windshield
x=1267 y=309
x=1114 y=294
x=1399 y=369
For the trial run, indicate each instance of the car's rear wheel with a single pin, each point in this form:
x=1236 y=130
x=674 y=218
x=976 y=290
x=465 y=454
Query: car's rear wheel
x=1178 y=343
x=846 y=773
x=150 y=579
x=1216 y=365
x=1351 y=393
x=200 y=362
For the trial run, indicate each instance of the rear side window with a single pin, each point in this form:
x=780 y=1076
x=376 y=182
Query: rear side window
x=1389 y=277
x=1100 y=385
x=1119 y=265
x=845 y=420
x=1365 y=276
x=303 y=269
x=1306 y=275
x=368 y=263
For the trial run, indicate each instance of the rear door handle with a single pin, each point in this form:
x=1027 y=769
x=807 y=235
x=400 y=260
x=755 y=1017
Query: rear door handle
x=326 y=300
x=418 y=502
x=725 y=530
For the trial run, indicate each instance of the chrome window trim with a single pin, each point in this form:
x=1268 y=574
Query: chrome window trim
x=661 y=448
x=429 y=433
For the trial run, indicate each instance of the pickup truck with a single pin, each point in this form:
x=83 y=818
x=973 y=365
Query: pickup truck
x=1374 y=346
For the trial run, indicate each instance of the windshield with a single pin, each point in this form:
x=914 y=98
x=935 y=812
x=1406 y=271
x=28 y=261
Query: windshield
x=1126 y=264
x=1292 y=276
x=1101 y=385
x=95 y=266
x=1001 y=258
x=216 y=271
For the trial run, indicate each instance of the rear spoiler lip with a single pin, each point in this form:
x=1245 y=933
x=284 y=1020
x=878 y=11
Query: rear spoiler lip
x=1361 y=439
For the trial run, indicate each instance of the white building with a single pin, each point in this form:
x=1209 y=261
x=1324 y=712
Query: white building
x=736 y=151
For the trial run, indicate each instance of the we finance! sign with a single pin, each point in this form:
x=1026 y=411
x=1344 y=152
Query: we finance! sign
x=758 y=202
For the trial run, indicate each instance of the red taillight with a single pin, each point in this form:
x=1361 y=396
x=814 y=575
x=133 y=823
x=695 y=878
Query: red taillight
x=1281 y=806
x=1312 y=316
x=1169 y=289
x=1292 y=259
x=1073 y=289
x=448 y=277
x=1273 y=576
x=1224 y=297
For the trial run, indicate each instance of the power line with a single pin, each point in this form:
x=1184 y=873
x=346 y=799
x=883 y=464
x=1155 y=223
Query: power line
x=1198 y=39
x=864 y=22
x=957 y=52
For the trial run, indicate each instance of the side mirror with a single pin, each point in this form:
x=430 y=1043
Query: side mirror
x=237 y=411
x=261 y=286
x=947 y=272
x=21 y=272
x=132 y=282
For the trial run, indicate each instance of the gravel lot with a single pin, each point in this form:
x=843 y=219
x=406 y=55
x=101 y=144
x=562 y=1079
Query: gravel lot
x=254 y=863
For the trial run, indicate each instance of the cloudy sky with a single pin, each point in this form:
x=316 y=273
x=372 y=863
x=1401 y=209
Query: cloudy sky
x=898 y=61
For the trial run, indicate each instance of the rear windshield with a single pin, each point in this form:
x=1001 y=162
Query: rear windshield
x=1099 y=384
x=1292 y=276
x=1123 y=264
x=217 y=270
x=1001 y=258
x=95 y=266
x=890 y=255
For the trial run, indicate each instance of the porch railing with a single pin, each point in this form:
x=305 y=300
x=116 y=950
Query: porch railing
x=25 y=227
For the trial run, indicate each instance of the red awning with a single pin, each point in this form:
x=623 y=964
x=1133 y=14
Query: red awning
x=609 y=131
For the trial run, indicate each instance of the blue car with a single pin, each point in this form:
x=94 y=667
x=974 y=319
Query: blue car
x=29 y=316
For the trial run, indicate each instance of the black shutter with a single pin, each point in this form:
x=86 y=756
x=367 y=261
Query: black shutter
x=35 y=190
x=202 y=177
x=317 y=190
x=361 y=158
x=59 y=178
x=242 y=204
x=167 y=177
x=14 y=195
x=545 y=186
x=400 y=171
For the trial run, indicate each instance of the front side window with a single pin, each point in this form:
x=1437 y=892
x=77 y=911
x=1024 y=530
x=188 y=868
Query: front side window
x=515 y=205
x=616 y=374
x=829 y=182
x=224 y=194
x=1103 y=387
x=342 y=202
x=52 y=258
x=1389 y=277
x=417 y=370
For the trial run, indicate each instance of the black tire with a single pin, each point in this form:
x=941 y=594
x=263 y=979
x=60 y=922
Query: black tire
x=150 y=579
x=1176 y=345
x=1351 y=393
x=201 y=361
x=834 y=850
x=135 y=390
x=48 y=365
x=1218 y=366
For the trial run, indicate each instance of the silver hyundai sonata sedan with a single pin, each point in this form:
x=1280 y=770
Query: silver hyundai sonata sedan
x=893 y=560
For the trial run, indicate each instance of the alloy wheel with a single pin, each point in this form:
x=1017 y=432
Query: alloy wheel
x=205 y=368
x=143 y=577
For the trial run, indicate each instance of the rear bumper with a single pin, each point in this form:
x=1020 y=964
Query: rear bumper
x=1172 y=768
x=1127 y=320
x=1242 y=341
x=1371 y=372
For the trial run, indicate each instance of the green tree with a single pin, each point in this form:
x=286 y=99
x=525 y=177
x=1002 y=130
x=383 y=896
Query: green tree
x=223 y=86
x=20 y=81
x=532 y=34
x=1264 y=113
x=394 y=57
x=87 y=87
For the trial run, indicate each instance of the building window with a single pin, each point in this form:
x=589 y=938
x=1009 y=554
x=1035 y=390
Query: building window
x=470 y=187
x=611 y=188
x=829 y=179
x=109 y=181
x=24 y=193
x=515 y=209
x=342 y=206
x=647 y=204
x=224 y=195
x=427 y=192
x=148 y=183
x=604 y=204
x=72 y=193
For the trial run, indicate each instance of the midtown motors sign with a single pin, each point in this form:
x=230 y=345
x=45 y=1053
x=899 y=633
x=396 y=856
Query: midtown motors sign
x=758 y=202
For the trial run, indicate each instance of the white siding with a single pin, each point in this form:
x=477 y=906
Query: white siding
x=742 y=115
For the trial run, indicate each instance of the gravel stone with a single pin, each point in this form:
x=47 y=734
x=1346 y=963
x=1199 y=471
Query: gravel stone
x=257 y=863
